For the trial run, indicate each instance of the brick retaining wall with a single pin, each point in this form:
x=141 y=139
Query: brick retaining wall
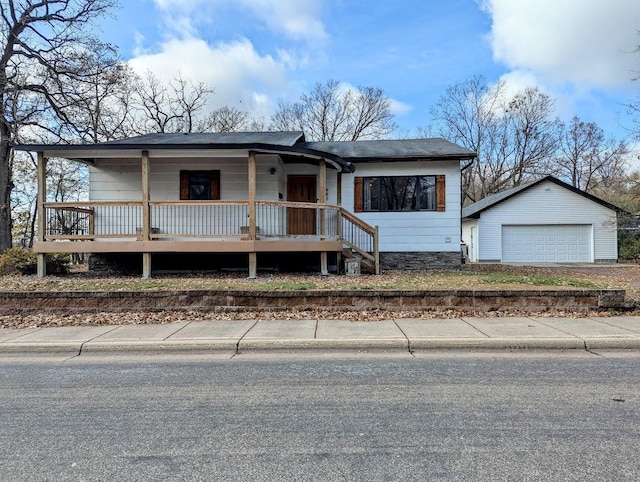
x=209 y=300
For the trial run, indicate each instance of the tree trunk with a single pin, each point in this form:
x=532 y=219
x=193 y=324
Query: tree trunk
x=5 y=187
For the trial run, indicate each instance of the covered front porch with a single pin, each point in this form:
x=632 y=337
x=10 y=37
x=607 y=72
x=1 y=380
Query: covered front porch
x=262 y=222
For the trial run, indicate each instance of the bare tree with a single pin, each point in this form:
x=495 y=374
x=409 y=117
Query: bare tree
x=534 y=134
x=587 y=159
x=332 y=113
x=100 y=102
x=226 y=119
x=512 y=134
x=469 y=114
x=633 y=108
x=42 y=41
x=174 y=106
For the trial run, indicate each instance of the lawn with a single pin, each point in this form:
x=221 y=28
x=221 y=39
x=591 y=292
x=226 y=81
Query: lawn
x=470 y=277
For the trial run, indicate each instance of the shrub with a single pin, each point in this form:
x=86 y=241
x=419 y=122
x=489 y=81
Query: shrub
x=18 y=260
x=25 y=261
x=628 y=244
x=58 y=263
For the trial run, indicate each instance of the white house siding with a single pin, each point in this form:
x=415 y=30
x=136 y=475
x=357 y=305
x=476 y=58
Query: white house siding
x=547 y=204
x=415 y=231
x=121 y=180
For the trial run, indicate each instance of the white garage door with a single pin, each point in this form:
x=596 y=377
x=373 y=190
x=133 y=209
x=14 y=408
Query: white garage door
x=547 y=244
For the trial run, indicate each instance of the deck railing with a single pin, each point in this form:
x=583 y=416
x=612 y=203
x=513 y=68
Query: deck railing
x=198 y=219
x=92 y=220
x=361 y=238
x=83 y=221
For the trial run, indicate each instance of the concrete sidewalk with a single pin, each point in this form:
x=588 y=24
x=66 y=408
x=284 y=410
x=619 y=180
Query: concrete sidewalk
x=396 y=334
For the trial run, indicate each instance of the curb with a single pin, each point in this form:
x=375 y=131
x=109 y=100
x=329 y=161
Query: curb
x=612 y=343
x=400 y=344
x=225 y=346
x=500 y=343
x=262 y=346
x=70 y=348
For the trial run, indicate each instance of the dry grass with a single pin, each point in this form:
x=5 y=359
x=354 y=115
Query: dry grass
x=488 y=277
x=471 y=277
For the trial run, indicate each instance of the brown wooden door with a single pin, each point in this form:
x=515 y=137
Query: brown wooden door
x=301 y=189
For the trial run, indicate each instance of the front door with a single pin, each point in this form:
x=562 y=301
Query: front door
x=301 y=189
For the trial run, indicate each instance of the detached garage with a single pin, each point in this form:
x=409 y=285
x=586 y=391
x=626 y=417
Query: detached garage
x=546 y=221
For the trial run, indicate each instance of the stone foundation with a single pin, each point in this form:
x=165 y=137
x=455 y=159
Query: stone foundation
x=421 y=261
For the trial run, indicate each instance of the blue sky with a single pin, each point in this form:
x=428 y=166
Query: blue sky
x=254 y=52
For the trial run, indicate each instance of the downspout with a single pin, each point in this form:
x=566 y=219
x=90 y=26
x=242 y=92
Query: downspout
x=463 y=168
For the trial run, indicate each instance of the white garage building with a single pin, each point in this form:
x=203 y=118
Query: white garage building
x=545 y=221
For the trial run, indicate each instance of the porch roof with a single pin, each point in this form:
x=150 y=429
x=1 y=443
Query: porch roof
x=290 y=145
x=213 y=138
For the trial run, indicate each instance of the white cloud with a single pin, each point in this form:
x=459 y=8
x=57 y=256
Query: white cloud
x=518 y=80
x=298 y=20
x=240 y=76
x=589 y=43
x=139 y=48
x=399 y=108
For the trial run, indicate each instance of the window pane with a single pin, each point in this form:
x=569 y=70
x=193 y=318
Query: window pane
x=428 y=192
x=199 y=187
x=398 y=193
x=371 y=194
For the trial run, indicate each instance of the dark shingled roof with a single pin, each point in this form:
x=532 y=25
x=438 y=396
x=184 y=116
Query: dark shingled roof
x=290 y=145
x=432 y=148
x=474 y=210
x=213 y=138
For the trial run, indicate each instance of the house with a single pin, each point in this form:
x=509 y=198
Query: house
x=545 y=221
x=258 y=197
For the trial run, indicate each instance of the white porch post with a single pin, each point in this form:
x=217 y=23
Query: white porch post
x=324 y=271
x=146 y=215
x=253 y=257
x=42 y=215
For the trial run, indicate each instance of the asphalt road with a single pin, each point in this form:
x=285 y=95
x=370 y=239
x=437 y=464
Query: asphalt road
x=524 y=416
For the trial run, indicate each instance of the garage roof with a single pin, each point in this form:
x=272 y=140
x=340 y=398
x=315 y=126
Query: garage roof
x=474 y=210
